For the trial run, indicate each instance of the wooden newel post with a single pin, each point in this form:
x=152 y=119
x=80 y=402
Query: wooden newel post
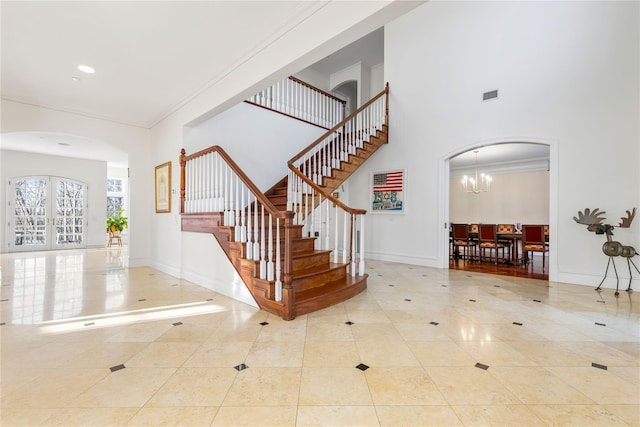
x=386 y=108
x=183 y=165
x=288 y=293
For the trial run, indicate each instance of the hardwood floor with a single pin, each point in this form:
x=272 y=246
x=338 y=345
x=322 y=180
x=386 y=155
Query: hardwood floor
x=531 y=271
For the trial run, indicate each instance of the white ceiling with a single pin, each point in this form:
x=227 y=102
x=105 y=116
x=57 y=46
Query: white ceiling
x=502 y=158
x=150 y=56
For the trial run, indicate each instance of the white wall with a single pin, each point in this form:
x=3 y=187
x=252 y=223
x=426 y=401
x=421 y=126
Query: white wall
x=567 y=74
x=91 y=172
x=513 y=198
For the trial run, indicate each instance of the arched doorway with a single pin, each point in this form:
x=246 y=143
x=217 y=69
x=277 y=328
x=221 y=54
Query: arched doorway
x=348 y=91
x=510 y=161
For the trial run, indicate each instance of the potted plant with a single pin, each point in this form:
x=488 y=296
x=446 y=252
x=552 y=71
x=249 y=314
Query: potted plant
x=116 y=222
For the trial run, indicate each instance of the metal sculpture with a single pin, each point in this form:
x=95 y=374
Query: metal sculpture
x=611 y=248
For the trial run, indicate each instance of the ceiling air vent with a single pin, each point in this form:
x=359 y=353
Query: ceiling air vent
x=490 y=95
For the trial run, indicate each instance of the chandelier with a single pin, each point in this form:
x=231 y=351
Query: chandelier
x=479 y=183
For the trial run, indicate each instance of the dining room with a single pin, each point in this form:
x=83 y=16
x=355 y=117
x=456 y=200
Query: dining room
x=499 y=210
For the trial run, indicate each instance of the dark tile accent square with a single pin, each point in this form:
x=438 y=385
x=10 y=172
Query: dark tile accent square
x=600 y=301
x=264 y=323
x=482 y=366
x=240 y=367
x=349 y=323
x=2 y=324
x=175 y=284
x=601 y=324
x=434 y=323
x=177 y=324
x=444 y=286
x=599 y=366
x=209 y=299
x=116 y=368
x=407 y=299
x=89 y=324
x=392 y=286
x=152 y=274
x=3 y=300
x=496 y=286
x=362 y=367
x=142 y=299
x=468 y=275
x=517 y=323
x=379 y=275
x=536 y=300
x=472 y=300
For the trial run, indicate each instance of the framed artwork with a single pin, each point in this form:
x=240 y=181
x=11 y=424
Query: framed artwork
x=387 y=191
x=163 y=188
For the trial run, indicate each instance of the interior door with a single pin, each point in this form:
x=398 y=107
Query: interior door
x=46 y=213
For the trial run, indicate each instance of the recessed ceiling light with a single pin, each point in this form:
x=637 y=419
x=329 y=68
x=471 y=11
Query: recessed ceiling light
x=75 y=79
x=86 y=69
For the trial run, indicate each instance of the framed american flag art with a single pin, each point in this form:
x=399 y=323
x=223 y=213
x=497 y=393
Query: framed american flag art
x=387 y=190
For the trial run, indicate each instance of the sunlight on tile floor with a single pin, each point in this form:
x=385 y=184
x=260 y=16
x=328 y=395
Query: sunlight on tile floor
x=88 y=342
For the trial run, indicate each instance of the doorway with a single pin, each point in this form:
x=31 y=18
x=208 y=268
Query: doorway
x=45 y=213
x=522 y=191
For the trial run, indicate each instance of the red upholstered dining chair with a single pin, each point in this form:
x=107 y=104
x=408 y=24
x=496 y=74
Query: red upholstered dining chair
x=534 y=240
x=488 y=238
x=461 y=239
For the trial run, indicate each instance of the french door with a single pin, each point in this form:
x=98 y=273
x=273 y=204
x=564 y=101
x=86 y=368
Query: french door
x=46 y=212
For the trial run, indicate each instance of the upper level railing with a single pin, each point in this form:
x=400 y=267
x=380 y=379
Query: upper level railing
x=302 y=101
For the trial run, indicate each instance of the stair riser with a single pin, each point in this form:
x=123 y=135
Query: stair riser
x=318 y=279
x=309 y=261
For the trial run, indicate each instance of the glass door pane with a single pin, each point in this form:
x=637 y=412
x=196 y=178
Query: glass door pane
x=30 y=208
x=69 y=213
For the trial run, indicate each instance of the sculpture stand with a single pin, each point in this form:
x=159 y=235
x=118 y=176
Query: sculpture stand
x=611 y=261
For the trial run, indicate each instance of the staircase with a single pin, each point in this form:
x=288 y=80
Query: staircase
x=285 y=244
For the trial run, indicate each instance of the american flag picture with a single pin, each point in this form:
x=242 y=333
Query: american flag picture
x=388 y=188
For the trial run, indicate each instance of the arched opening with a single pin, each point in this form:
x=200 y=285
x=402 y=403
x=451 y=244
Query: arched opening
x=348 y=91
x=522 y=191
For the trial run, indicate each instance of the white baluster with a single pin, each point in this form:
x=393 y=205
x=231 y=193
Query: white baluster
x=344 y=239
x=278 y=263
x=263 y=260
x=327 y=227
x=256 y=234
x=310 y=216
x=270 y=252
x=243 y=220
x=236 y=213
x=249 y=245
x=361 y=265
x=225 y=193
x=335 y=248
x=353 y=246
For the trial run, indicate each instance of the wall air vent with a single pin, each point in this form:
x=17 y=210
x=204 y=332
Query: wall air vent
x=490 y=95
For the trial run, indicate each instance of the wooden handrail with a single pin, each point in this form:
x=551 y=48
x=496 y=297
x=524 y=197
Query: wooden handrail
x=255 y=190
x=310 y=182
x=309 y=147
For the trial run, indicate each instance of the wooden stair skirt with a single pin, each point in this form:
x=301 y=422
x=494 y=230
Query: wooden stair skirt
x=317 y=282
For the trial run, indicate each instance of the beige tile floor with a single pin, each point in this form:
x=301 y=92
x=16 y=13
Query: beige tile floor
x=69 y=317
